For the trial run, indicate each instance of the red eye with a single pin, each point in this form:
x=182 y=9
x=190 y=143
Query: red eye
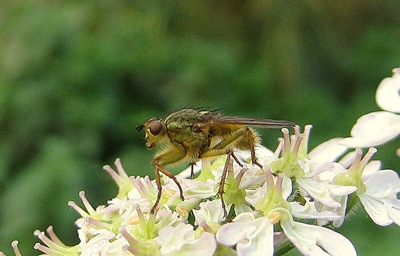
x=155 y=127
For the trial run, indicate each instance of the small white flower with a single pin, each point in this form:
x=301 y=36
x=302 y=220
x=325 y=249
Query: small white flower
x=319 y=191
x=182 y=240
x=297 y=164
x=210 y=212
x=252 y=236
x=255 y=236
x=195 y=191
x=340 y=195
x=380 y=200
x=51 y=245
x=377 y=189
x=117 y=247
x=315 y=240
x=100 y=242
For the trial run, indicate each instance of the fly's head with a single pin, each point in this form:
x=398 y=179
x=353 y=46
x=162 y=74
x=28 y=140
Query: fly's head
x=155 y=131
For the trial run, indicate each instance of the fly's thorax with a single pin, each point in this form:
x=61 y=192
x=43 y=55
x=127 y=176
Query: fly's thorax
x=186 y=117
x=191 y=139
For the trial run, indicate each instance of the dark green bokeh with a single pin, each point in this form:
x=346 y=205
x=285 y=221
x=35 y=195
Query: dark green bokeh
x=77 y=76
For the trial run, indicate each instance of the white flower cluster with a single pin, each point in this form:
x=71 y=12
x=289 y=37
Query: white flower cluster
x=296 y=200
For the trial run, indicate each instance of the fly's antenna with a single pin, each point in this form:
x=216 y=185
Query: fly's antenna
x=139 y=127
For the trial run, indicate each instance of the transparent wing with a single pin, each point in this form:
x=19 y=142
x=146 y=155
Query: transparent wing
x=255 y=122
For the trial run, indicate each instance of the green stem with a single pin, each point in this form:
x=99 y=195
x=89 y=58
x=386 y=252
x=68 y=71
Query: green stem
x=284 y=247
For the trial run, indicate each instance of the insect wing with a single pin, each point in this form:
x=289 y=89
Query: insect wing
x=255 y=122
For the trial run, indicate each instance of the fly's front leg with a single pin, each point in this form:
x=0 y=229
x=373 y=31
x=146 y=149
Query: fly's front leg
x=159 y=188
x=169 y=157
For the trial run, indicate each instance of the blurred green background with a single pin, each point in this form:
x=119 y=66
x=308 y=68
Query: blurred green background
x=76 y=77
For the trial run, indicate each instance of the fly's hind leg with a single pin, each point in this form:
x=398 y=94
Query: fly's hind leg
x=169 y=157
x=243 y=138
x=252 y=138
x=192 y=164
x=227 y=168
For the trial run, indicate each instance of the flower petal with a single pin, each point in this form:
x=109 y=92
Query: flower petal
x=235 y=231
x=394 y=214
x=380 y=198
x=319 y=191
x=376 y=210
x=383 y=184
x=182 y=239
x=308 y=211
x=315 y=240
x=388 y=92
x=251 y=236
x=328 y=151
x=370 y=169
x=204 y=245
x=209 y=211
x=338 y=190
x=373 y=129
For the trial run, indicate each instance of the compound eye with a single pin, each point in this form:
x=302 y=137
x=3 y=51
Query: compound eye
x=155 y=127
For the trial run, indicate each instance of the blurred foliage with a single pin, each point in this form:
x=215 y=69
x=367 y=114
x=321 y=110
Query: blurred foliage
x=77 y=76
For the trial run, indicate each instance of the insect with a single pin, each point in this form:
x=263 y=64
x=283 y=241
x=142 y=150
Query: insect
x=192 y=134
